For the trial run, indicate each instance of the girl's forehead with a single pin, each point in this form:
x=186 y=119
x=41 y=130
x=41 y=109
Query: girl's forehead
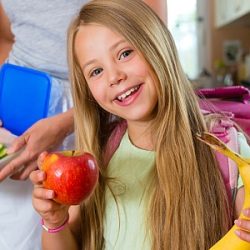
x=97 y=28
x=93 y=34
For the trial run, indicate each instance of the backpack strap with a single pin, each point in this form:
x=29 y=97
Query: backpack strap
x=224 y=129
x=114 y=141
x=233 y=170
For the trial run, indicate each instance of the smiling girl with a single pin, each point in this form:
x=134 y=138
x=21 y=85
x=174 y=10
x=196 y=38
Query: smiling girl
x=162 y=188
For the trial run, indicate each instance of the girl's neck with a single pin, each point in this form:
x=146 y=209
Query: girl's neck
x=140 y=135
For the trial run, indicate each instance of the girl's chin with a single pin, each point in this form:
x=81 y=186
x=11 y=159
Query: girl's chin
x=137 y=117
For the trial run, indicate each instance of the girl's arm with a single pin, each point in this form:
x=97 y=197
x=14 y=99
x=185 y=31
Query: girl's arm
x=160 y=7
x=6 y=37
x=66 y=239
x=66 y=233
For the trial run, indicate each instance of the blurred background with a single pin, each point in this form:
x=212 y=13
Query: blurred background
x=213 y=40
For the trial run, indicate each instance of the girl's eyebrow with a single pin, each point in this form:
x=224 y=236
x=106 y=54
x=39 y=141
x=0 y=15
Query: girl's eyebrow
x=117 y=44
x=88 y=63
x=111 y=48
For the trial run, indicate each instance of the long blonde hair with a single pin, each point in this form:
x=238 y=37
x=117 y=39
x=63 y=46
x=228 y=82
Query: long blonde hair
x=188 y=206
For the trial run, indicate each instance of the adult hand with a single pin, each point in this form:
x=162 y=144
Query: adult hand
x=6 y=137
x=44 y=135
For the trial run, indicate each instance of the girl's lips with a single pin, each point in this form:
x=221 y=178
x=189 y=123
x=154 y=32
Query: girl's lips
x=128 y=100
x=127 y=93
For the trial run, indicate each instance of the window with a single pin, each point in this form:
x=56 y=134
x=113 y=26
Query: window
x=183 y=25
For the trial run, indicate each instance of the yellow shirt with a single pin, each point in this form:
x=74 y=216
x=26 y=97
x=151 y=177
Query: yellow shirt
x=124 y=223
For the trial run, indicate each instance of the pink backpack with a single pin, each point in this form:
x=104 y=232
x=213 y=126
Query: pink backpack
x=233 y=103
x=224 y=128
x=234 y=100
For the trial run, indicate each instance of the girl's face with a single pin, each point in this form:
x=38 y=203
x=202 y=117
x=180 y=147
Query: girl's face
x=118 y=77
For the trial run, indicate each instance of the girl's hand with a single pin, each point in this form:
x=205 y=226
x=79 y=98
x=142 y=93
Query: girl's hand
x=244 y=226
x=53 y=213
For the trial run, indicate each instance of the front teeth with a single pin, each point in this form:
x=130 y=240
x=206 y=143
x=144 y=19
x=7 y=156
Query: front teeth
x=127 y=93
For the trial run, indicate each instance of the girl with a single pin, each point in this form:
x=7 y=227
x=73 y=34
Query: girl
x=36 y=33
x=162 y=188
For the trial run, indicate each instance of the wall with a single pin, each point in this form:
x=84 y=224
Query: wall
x=238 y=30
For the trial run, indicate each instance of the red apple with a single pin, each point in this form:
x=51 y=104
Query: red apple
x=73 y=176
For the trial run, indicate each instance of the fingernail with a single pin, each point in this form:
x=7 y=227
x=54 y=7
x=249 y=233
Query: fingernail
x=237 y=232
x=246 y=212
x=41 y=175
x=237 y=222
x=50 y=194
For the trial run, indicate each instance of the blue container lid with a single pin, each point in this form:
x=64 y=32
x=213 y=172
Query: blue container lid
x=24 y=97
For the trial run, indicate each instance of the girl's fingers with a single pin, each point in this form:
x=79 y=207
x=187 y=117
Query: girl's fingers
x=244 y=229
x=43 y=206
x=44 y=194
x=243 y=224
x=243 y=235
x=37 y=177
x=52 y=212
x=43 y=201
x=246 y=212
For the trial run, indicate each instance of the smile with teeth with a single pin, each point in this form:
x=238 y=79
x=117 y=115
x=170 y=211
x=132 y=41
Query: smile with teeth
x=128 y=93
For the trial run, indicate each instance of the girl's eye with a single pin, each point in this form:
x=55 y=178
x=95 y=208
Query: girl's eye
x=96 y=72
x=125 y=54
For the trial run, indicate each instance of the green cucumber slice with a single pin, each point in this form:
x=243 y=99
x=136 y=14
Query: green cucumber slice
x=3 y=152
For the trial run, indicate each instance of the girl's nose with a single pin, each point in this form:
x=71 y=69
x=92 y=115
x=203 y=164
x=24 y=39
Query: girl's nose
x=116 y=76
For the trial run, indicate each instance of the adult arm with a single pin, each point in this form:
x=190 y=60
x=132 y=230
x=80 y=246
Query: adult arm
x=160 y=7
x=6 y=37
x=44 y=135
